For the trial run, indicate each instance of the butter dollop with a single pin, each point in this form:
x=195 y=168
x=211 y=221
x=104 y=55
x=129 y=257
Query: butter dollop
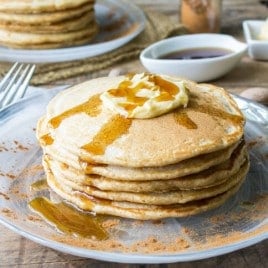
x=146 y=95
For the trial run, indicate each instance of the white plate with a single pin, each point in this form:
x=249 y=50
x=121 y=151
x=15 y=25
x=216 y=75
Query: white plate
x=257 y=49
x=241 y=222
x=120 y=21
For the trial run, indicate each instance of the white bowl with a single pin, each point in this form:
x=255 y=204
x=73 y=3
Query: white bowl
x=199 y=70
x=257 y=49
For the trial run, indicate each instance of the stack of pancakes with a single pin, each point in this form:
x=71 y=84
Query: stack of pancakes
x=178 y=164
x=32 y=24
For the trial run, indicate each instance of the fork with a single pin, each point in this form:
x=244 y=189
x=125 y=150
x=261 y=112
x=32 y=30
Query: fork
x=15 y=83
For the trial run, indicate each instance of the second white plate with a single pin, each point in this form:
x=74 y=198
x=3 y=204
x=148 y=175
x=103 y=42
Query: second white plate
x=119 y=20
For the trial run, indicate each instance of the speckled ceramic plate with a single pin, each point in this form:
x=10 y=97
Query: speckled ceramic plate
x=239 y=223
x=119 y=20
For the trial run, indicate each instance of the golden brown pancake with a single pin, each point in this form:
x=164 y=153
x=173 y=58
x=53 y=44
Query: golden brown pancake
x=44 y=18
x=66 y=26
x=183 y=162
x=43 y=41
x=37 y=24
x=33 y=6
x=21 y=39
x=152 y=142
x=157 y=197
x=138 y=211
x=183 y=168
x=207 y=178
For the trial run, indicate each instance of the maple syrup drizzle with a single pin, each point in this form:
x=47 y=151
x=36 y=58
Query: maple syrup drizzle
x=113 y=129
x=64 y=165
x=183 y=119
x=39 y=185
x=217 y=113
x=69 y=220
x=92 y=107
x=89 y=166
x=87 y=200
x=46 y=140
x=165 y=86
x=125 y=89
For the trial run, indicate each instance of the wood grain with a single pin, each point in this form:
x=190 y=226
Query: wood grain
x=16 y=251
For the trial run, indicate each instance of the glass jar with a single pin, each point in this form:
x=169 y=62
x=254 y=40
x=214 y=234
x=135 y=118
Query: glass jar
x=201 y=16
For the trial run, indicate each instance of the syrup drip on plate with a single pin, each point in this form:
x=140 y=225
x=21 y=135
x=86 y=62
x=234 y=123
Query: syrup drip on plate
x=68 y=219
x=39 y=185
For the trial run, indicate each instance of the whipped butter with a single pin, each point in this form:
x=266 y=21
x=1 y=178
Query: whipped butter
x=146 y=96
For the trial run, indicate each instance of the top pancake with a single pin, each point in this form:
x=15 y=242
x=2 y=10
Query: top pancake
x=32 y=6
x=105 y=137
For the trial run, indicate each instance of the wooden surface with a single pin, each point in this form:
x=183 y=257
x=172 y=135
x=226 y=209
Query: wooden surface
x=16 y=251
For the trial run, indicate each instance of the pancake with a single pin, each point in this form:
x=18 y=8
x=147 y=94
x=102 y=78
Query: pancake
x=156 y=198
x=44 y=41
x=183 y=168
x=71 y=43
x=22 y=39
x=33 y=6
x=69 y=25
x=172 y=163
x=138 y=211
x=207 y=178
x=44 y=18
x=152 y=142
x=37 y=24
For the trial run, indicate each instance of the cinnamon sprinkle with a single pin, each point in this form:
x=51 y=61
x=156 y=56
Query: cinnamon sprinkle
x=22 y=148
x=5 y=196
x=9 y=213
x=31 y=171
x=258 y=141
x=34 y=218
x=110 y=224
x=149 y=245
x=2 y=149
x=10 y=176
x=219 y=240
x=219 y=233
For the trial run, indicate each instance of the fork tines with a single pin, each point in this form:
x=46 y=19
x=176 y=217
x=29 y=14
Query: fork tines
x=15 y=83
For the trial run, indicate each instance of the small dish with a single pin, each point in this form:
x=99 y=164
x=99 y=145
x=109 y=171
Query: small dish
x=199 y=70
x=257 y=49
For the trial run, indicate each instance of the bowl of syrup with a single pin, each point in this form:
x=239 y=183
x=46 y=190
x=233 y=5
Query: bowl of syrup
x=199 y=57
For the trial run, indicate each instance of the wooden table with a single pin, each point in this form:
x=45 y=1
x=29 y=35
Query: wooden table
x=16 y=251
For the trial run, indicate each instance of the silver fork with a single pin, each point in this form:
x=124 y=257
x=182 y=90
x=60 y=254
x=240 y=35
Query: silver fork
x=15 y=83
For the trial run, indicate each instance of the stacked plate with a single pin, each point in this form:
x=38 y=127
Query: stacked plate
x=188 y=160
x=46 y=24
